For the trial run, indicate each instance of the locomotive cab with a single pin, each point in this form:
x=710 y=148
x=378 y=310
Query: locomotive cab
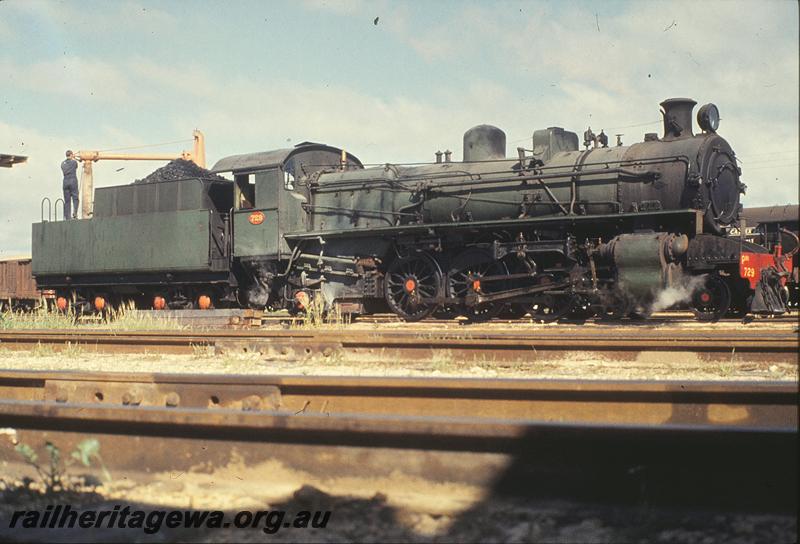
x=269 y=202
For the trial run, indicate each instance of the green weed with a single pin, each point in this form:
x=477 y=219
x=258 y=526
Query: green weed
x=52 y=471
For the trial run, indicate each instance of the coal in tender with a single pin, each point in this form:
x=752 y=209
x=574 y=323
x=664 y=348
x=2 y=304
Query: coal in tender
x=179 y=169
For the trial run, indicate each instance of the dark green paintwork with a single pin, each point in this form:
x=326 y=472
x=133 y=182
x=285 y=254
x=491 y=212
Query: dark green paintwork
x=167 y=196
x=249 y=239
x=282 y=213
x=686 y=216
x=130 y=243
x=640 y=263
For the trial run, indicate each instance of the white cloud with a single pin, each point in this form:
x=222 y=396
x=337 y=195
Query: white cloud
x=190 y=81
x=71 y=76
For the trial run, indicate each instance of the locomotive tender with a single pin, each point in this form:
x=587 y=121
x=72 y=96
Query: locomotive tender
x=554 y=230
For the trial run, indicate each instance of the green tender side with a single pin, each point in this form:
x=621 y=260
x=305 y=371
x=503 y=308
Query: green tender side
x=170 y=241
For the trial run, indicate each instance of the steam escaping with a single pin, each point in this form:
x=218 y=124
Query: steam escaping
x=257 y=296
x=259 y=288
x=680 y=292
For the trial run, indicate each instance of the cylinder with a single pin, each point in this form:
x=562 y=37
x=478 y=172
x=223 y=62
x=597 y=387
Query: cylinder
x=484 y=143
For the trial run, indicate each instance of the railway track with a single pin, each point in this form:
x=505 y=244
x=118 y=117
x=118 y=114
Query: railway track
x=487 y=346
x=238 y=318
x=116 y=396
x=717 y=442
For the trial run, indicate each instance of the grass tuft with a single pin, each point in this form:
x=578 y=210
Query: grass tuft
x=203 y=351
x=124 y=318
x=317 y=317
x=43 y=350
x=39 y=319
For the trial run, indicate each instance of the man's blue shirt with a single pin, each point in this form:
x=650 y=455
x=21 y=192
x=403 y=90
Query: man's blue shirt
x=70 y=167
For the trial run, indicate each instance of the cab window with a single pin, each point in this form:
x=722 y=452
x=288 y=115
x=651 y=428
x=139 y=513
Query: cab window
x=288 y=181
x=244 y=192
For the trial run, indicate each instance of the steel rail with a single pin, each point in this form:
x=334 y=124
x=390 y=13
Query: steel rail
x=710 y=345
x=705 y=443
x=742 y=405
x=776 y=338
x=426 y=432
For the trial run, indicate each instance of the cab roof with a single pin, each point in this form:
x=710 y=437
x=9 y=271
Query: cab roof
x=263 y=160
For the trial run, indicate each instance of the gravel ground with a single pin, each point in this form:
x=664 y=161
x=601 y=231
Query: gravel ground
x=648 y=366
x=379 y=518
x=578 y=365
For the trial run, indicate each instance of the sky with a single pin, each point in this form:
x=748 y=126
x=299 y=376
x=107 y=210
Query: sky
x=390 y=81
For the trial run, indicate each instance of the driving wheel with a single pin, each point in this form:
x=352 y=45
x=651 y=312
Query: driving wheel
x=712 y=299
x=411 y=283
x=547 y=307
x=465 y=276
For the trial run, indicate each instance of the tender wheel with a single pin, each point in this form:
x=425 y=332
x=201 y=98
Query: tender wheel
x=712 y=299
x=409 y=281
x=62 y=303
x=465 y=275
x=546 y=308
x=159 y=301
x=204 y=300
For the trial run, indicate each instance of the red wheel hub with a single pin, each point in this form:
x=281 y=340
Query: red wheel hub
x=302 y=299
x=705 y=298
x=410 y=285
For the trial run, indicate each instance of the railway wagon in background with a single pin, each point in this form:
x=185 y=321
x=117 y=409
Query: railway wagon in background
x=773 y=227
x=17 y=286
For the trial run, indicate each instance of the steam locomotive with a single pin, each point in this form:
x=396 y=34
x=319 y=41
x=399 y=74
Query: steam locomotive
x=553 y=231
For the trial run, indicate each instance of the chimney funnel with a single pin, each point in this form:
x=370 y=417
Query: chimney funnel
x=677 y=117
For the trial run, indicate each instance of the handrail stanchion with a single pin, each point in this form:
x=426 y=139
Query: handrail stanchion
x=55 y=207
x=230 y=234
x=49 y=210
